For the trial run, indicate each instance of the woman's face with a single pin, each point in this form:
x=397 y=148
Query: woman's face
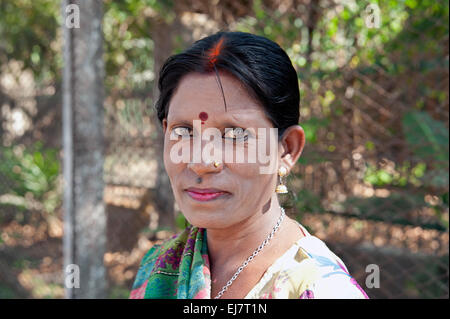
x=245 y=189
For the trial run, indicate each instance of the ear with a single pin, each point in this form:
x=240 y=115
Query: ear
x=292 y=144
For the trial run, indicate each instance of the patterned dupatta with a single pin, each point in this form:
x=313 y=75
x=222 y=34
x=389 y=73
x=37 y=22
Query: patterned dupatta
x=177 y=269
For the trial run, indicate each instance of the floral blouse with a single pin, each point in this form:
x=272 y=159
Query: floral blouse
x=308 y=270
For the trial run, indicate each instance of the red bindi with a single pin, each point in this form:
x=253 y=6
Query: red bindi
x=203 y=116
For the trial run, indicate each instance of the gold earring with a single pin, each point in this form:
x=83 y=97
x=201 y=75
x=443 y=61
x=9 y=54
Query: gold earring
x=281 y=188
x=216 y=164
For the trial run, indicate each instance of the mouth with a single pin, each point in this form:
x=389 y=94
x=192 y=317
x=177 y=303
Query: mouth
x=206 y=194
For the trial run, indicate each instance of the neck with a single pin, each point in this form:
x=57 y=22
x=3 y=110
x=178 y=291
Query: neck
x=232 y=245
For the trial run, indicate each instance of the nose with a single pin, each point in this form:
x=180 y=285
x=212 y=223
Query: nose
x=205 y=163
x=203 y=167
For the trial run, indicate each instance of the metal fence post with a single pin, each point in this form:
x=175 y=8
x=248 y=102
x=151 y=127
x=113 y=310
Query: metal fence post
x=84 y=212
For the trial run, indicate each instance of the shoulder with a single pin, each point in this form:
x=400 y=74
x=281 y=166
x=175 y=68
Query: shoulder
x=308 y=270
x=331 y=278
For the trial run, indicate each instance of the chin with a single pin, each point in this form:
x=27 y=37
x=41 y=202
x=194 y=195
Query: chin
x=207 y=218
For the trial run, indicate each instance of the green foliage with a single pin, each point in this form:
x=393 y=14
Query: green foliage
x=28 y=33
x=127 y=27
x=308 y=202
x=428 y=139
x=30 y=172
x=129 y=47
x=312 y=126
x=402 y=176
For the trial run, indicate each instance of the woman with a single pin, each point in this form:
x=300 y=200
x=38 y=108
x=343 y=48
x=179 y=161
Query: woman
x=240 y=243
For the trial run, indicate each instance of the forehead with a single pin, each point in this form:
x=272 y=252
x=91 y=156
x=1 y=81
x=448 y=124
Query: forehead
x=201 y=93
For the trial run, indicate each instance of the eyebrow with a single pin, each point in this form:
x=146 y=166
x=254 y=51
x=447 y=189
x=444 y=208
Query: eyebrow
x=183 y=122
x=228 y=123
x=189 y=123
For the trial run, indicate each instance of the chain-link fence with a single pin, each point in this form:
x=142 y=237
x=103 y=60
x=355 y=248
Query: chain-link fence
x=372 y=181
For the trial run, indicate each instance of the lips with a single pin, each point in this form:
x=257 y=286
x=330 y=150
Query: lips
x=205 y=194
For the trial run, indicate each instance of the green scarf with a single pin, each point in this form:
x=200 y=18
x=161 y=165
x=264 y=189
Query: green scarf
x=177 y=269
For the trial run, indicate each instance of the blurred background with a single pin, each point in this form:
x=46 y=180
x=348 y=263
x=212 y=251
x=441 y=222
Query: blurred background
x=372 y=181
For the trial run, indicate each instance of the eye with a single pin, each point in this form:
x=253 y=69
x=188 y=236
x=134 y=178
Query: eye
x=181 y=131
x=237 y=133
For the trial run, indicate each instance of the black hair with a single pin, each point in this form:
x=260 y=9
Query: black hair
x=259 y=63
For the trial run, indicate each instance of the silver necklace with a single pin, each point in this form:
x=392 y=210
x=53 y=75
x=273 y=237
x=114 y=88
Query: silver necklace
x=252 y=256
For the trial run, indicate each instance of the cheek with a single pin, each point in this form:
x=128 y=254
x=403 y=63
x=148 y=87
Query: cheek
x=171 y=168
x=258 y=180
x=252 y=183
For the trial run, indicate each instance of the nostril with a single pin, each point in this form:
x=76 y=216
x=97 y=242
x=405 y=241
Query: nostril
x=204 y=168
